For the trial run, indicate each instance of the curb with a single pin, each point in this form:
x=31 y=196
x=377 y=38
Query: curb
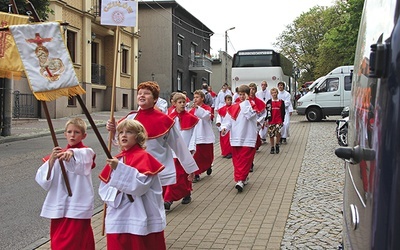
x=21 y=137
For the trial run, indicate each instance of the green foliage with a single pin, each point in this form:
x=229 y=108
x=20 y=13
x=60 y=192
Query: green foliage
x=41 y=6
x=322 y=38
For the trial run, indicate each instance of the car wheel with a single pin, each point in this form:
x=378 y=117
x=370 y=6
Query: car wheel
x=343 y=137
x=314 y=114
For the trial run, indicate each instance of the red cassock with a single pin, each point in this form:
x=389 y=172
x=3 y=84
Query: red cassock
x=224 y=140
x=259 y=106
x=183 y=186
x=67 y=233
x=204 y=155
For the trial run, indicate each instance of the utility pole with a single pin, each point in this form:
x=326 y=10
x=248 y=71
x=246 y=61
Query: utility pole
x=226 y=54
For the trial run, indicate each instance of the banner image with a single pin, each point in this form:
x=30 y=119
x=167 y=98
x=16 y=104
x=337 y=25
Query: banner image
x=118 y=13
x=46 y=60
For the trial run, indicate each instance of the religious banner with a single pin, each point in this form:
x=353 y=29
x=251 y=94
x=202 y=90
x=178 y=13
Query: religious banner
x=118 y=13
x=47 y=63
x=10 y=63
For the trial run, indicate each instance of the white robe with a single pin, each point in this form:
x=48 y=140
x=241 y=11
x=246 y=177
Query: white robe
x=204 y=131
x=285 y=96
x=161 y=149
x=145 y=214
x=57 y=203
x=244 y=128
x=220 y=99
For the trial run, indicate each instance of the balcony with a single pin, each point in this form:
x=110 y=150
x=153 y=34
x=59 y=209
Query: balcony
x=98 y=74
x=201 y=63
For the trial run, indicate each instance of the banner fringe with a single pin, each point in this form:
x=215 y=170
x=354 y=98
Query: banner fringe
x=16 y=75
x=54 y=94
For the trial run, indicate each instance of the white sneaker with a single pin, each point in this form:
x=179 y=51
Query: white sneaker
x=239 y=186
x=246 y=181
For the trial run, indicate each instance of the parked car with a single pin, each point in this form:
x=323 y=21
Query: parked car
x=329 y=96
x=371 y=201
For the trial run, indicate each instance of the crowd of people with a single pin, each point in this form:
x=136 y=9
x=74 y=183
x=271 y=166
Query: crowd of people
x=157 y=165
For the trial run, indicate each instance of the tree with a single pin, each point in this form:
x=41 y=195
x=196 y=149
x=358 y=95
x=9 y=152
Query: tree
x=301 y=39
x=41 y=6
x=322 y=38
x=339 y=43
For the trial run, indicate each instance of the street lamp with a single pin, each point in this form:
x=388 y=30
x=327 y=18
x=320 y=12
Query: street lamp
x=226 y=56
x=296 y=74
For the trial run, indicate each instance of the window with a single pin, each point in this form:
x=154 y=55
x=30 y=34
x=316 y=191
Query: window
x=180 y=42
x=95 y=53
x=347 y=83
x=329 y=85
x=192 y=51
x=72 y=101
x=124 y=100
x=193 y=84
x=179 y=80
x=125 y=61
x=71 y=44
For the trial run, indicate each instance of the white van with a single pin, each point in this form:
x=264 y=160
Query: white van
x=330 y=95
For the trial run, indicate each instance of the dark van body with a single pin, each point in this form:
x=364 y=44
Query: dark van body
x=371 y=202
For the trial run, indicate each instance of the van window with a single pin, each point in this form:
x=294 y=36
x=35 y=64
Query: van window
x=329 y=85
x=347 y=83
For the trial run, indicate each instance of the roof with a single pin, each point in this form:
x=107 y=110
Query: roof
x=174 y=4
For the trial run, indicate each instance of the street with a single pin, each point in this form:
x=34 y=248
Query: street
x=22 y=197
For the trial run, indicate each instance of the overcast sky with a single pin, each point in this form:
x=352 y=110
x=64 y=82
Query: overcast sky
x=257 y=22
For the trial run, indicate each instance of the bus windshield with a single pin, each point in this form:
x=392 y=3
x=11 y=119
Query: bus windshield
x=261 y=65
x=264 y=58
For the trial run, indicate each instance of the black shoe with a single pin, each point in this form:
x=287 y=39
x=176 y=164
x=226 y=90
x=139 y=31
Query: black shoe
x=167 y=205
x=272 y=150
x=228 y=156
x=239 y=186
x=277 y=148
x=209 y=171
x=283 y=141
x=186 y=200
x=196 y=178
x=251 y=169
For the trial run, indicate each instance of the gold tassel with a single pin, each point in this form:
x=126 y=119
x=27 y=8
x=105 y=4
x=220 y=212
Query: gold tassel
x=54 y=94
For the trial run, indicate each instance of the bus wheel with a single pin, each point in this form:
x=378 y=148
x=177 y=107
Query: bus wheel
x=314 y=114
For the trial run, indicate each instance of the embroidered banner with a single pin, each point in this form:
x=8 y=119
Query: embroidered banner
x=10 y=63
x=118 y=13
x=47 y=63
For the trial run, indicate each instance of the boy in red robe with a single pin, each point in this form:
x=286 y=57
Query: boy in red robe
x=205 y=138
x=241 y=121
x=131 y=187
x=185 y=123
x=226 y=150
x=70 y=216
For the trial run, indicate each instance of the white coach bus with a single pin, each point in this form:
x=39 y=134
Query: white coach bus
x=261 y=64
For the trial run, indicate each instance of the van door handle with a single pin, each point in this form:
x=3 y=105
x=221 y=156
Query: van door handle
x=336 y=95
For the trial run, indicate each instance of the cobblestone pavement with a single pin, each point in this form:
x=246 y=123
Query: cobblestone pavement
x=315 y=218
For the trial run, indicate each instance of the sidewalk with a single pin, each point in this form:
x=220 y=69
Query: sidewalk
x=218 y=217
x=23 y=129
